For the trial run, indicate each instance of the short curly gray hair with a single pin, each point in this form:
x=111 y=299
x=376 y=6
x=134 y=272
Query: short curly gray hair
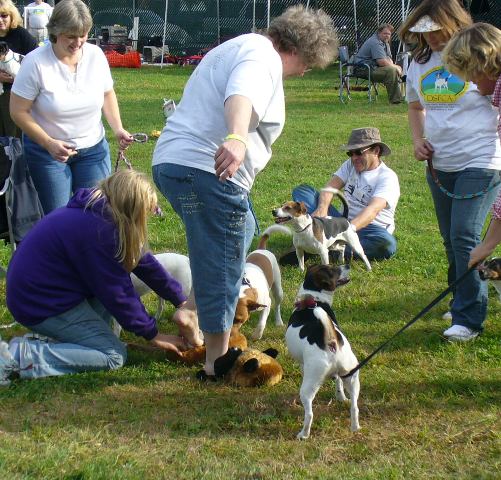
x=309 y=33
x=69 y=17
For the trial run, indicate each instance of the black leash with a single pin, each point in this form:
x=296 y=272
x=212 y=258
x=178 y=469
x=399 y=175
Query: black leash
x=423 y=312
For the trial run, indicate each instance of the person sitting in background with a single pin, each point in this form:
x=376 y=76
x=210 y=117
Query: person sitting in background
x=376 y=52
x=474 y=54
x=79 y=259
x=57 y=100
x=371 y=189
x=19 y=41
x=37 y=17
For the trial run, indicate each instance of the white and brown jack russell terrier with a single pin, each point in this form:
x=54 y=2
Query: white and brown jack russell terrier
x=491 y=270
x=314 y=340
x=319 y=234
x=261 y=284
x=178 y=266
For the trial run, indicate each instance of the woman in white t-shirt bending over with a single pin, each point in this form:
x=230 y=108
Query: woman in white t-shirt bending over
x=454 y=127
x=57 y=100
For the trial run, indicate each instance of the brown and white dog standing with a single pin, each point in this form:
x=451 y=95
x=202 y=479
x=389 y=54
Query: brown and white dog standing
x=319 y=234
x=315 y=341
x=491 y=270
x=261 y=284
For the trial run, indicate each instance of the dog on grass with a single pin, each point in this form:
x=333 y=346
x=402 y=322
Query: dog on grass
x=318 y=235
x=261 y=285
x=178 y=266
x=491 y=270
x=314 y=340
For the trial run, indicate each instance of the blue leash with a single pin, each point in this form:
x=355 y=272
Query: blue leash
x=455 y=196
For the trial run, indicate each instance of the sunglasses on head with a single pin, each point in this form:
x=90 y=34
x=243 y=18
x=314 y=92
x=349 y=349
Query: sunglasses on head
x=358 y=152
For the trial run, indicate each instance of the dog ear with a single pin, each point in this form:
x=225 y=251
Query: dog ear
x=303 y=210
x=255 y=306
x=223 y=364
x=272 y=352
x=250 y=365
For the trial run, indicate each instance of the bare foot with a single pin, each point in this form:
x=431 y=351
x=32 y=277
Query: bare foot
x=187 y=322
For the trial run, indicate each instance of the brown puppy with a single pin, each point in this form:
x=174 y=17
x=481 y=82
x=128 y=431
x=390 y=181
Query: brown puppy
x=491 y=270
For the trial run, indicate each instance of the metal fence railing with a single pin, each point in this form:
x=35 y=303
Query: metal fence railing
x=194 y=25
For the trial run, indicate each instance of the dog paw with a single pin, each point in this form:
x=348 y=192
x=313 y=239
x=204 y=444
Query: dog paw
x=302 y=435
x=355 y=428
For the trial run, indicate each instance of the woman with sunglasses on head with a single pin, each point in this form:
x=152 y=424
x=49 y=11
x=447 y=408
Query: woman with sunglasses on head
x=59 y=96
x=79 y=260
x=19 y=41
x=454 y=129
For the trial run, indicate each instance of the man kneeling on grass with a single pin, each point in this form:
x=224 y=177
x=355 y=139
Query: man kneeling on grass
x=371 y=189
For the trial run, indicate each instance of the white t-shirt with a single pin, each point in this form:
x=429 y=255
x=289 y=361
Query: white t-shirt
x=66 y=105
x=38 y=15
x=360 y=188
x=247 y=65
x=460 y=123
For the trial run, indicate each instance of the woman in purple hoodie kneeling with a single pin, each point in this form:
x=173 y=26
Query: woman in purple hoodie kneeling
x=71 y=275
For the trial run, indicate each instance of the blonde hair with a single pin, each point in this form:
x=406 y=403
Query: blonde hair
x=69 y=17
x=308 y=32
x=449 y=14
x=7 y=6
x=130 y=198
x=474 y=51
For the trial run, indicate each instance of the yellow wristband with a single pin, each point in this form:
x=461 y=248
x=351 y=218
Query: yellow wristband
x=235 y=136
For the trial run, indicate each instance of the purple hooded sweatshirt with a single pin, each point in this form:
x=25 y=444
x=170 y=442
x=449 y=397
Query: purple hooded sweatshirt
x=70 y=256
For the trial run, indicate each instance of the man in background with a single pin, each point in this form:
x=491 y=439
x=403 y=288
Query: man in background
x=376 y=52
x=37 y=17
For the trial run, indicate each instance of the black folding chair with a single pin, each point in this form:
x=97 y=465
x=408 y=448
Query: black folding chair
x=348 y=70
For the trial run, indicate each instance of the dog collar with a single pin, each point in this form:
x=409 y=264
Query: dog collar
x=307 y=226
x=304 y=303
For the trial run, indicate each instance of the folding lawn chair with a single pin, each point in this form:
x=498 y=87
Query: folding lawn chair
x=348 y=70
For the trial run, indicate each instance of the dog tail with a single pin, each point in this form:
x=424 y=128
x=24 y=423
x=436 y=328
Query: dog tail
x=341 y=197
x=273 y=229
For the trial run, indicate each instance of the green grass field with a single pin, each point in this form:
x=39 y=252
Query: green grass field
x=428 y=408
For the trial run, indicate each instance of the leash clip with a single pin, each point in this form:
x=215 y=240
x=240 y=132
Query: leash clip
x=140 y=137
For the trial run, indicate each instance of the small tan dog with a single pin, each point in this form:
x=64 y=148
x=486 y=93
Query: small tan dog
x=261 y=284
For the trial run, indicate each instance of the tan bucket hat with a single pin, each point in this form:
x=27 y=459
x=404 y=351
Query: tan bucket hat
x=365 y=137
x=425 y=24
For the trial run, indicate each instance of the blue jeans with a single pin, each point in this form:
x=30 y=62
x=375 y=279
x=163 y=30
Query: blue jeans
x=376 y=241
x=460 y=223
x=56 y=181
x=219 y=230
x=84 y=341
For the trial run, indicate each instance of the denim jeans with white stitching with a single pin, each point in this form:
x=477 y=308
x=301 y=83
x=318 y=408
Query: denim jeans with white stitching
x=460 y=223
x=219 y=230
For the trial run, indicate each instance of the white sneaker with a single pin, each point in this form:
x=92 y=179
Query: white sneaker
x=7 y=364
x=460 y=333
x=447 y=316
